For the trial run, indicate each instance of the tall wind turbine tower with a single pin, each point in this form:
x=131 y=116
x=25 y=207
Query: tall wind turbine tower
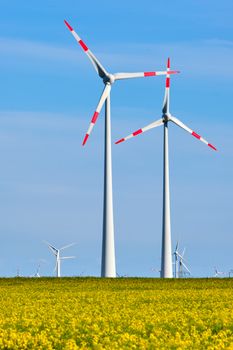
x=108 y=264
x=166 y=254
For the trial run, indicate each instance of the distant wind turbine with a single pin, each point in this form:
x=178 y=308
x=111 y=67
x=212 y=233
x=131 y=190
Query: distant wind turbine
x=156 y=270
x=218 y=273
x=183 y=270
x=166 y=256
x=37 y=273
x=56 y=252
x=180 y=267
x=121 y=276
x=108 y=264
x=18 y=272
x=176 y=262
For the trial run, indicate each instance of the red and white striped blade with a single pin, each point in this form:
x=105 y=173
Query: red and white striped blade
x=193 y=133
x=167 y=90
x=103 y=97
x=97 y=65
x=119 y=76
x=140 y=131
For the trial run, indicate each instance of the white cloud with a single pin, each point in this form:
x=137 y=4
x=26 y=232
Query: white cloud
x=39 y=189
x=199 y=58
x=27 y=48
x=33 y=119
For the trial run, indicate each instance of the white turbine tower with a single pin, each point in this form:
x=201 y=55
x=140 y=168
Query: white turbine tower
x=108 y=265
x=166 y=258
x=58 y=256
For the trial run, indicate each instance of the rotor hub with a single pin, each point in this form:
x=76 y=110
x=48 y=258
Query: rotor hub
x=166 y=118
x=109 y=79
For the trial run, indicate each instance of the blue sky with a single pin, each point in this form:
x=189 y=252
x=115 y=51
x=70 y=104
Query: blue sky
x=51 y=187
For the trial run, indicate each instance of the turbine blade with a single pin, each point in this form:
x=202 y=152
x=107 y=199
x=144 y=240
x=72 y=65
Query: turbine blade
x=52 y=248
x=167 y=90
x=183 y=252
x=97 y=65
x=103 y=97
x=119 y=76
x=180 y=256
x=67 y=246
x=185 y=267
x=183 y=126
x=67 y=257
x=139 y=131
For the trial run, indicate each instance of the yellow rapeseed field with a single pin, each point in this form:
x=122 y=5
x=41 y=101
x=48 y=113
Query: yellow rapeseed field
x=124 y=313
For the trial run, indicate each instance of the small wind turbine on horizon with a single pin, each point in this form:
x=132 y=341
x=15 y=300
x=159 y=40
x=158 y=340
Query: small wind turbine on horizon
x=58 y=256
x=18 y=272
x=121 y=276
x=156 y=270
x=183 y=270
x=38 y=268
x=218 y=273
x=108 y=264
x=166 y=255
x=176 y=262
x=180 y=267
x=37 y=273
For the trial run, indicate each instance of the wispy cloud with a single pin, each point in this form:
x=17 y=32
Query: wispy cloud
x=27 y=48
x=40 y=189
x=199 y=58
x=34 y=120
x=205 y=57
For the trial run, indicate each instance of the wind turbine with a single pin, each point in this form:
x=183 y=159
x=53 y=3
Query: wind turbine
x=176 y=256
x=58 y=256
x=18 y=272
x=218 y=273
x=182 y=266
x=108 y=265
x=38 y=268
x=37 y=273
x=121 y=276
x=156 y=270
x=166 y=258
